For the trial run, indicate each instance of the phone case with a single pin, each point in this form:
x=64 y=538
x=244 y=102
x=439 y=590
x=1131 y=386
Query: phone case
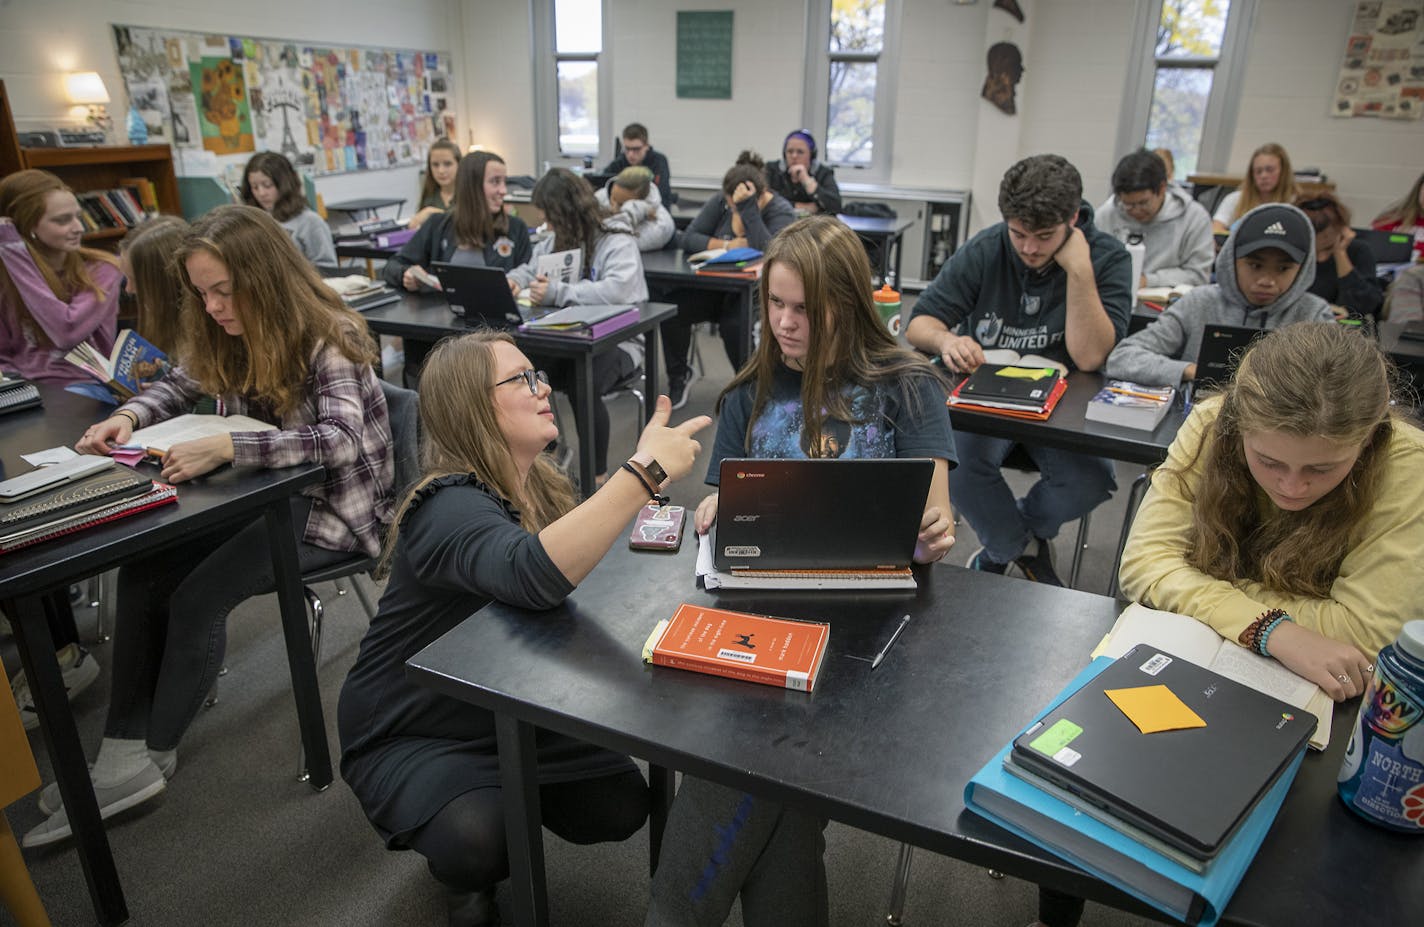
x=658 y=528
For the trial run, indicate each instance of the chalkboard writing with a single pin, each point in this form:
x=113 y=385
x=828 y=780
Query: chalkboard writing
x=704 y=55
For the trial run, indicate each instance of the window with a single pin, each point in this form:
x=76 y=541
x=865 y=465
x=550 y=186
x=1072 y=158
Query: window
x=1178 y=97
x=849 y=100
x=578 y=40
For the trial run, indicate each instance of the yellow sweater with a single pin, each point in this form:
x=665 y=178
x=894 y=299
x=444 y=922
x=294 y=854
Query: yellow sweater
x=1381 y=581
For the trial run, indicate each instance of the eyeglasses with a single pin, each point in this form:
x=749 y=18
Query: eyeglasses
x=531 y=378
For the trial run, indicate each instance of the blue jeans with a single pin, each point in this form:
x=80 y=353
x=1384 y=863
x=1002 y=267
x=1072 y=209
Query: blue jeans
x=1071 y=486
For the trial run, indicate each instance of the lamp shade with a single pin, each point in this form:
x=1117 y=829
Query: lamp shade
x=86 y=88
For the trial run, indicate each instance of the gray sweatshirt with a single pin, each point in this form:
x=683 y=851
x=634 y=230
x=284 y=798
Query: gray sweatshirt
x=313 y=237
x=1178 y=239
x=1157 y=355
x=613 y=275
x=651 y=221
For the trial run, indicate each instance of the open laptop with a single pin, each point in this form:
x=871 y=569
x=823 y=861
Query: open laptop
x=480 y=295
x=1221 y=348
x=820 y=514
x=1189 y=788
x=1388 y=247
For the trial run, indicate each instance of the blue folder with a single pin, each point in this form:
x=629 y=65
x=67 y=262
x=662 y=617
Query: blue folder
x=1109 y=854
x=736 y=256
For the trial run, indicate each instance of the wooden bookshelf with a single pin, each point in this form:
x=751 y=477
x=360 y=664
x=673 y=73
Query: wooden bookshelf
x=100 y=167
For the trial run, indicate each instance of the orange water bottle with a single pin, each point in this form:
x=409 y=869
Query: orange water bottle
x=888 y=302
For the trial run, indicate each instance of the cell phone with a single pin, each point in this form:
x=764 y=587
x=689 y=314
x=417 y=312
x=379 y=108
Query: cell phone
x=658 y=528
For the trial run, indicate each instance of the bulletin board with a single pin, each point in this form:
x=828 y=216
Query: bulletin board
x=704 y=55
x=330 y=109
x=1382 y=72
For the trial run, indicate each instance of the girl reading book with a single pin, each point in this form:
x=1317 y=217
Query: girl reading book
x=270 y=182
x=492 y=519
x=54 y=292
x=612 y=274
x=437 y=190
x=263 y=333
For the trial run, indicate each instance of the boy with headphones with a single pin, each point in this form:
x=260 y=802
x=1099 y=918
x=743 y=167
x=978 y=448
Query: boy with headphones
x=798 y=176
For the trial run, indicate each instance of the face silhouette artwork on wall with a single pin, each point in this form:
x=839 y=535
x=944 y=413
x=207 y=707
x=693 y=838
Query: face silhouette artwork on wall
x=1005 y=70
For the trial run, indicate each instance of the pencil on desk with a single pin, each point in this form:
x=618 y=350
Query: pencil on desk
x=1129 y=392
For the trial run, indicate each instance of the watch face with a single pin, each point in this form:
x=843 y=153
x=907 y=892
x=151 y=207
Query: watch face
x=656 y=471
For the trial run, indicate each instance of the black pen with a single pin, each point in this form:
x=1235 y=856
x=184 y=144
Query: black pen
x=890 y=643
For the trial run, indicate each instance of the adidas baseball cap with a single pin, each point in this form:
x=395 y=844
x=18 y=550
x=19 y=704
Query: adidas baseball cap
x=1282 y=227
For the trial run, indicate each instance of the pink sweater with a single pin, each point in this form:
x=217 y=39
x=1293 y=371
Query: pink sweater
x=85 y=317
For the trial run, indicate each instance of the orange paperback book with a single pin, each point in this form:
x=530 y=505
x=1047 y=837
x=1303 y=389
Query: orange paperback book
x=772 y=651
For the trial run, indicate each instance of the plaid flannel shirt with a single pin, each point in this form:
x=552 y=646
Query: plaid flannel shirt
x=342 y=424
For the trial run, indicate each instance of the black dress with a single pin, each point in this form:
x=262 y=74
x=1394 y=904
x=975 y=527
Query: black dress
x=406 y=750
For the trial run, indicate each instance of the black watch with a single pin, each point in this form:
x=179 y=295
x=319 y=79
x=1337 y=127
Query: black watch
x=656 y=471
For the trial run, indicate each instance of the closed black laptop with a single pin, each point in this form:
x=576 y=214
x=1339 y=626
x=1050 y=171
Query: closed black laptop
x=1221 y=349
x=1190 y=788
x=820 y=514
x=480 y=294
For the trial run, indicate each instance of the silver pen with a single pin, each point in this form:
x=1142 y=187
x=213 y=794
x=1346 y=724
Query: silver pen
x=890 y=643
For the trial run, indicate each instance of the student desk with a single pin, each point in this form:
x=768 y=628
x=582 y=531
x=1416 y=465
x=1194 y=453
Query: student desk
x=885 y=236
x=1068 y=429
x=889 y=750
x=426 y=318
x=371 y=206
x=668 y=268
x=25 y=575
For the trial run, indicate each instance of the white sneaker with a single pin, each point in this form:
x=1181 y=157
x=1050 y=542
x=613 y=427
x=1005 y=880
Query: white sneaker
x=138 y=789
x=51 y=801
x=78 y=669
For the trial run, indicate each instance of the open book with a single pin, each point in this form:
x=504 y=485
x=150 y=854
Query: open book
x=131 y=365
x=1015 y=359
x=1198 y=642
x=157 y=439
x=1161 y=296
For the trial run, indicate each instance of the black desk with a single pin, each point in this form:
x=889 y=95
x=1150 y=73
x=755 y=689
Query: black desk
x=369 y=205
x=426 y=317
x=670 y=269
x=887 y=751
x=885 y=236
x=25 y=575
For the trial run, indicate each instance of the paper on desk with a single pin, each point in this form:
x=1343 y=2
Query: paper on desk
x=52 y=456
x=1026 y=373
x=1154 y=709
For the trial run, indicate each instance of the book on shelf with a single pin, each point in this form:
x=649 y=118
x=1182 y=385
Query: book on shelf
x=806 y=580
x=146 y=192
x=95 y=490
x=757 y=648
x=1130 y=405
x=157 y=439
x=590 y=321
x=1007 y=389
x=158 y=494
x=1195 y=894
x=1200 y=643
x=132 y=364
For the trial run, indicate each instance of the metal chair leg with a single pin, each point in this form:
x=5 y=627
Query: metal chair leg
x=1079 y=545
x=212 y=698
x=106 y=586
x=1134 y=500
x=364 y=597
x=314 y=616
x=895 y=916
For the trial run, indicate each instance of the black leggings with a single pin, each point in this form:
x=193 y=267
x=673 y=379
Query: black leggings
x=464 y=843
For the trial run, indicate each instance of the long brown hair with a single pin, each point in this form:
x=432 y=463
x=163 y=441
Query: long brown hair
x=24 y=197
x=1405 y=211
x=847 y=344
x=1285 y=191
x=460 y=434
x=156 y=279
x=428 y=186
x=476 y=225
x=1306 y=379
x=571 y=211
x=291 y=198
x=285 y=309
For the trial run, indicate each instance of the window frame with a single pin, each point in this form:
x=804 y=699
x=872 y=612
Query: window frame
x=1224 y=102
x=546 y=86
x=816 y=96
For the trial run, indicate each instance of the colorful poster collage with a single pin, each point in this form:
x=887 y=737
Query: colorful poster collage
x=330 y=110
x=1382 y=73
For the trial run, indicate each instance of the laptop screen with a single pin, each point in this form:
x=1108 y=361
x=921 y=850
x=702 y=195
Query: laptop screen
x=480 y=294
x=1221 y=349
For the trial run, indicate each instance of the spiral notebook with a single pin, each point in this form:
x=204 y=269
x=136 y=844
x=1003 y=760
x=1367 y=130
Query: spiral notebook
x=156 y=495
x=81 y=495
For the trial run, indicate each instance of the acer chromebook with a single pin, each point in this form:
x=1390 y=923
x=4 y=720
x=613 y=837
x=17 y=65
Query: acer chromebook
x=1188 y=788
x=860 y=515
x=480 y=295
x=1221 y=349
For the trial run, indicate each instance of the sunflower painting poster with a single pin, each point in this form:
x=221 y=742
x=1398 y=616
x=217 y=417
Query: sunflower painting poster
x=224 y=118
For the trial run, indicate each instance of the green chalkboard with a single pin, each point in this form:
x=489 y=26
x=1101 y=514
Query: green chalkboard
x=704 y=55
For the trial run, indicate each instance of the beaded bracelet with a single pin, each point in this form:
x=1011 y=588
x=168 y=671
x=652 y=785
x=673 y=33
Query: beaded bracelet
x=1265 y=634
x=1253 y=636
x=653 y=493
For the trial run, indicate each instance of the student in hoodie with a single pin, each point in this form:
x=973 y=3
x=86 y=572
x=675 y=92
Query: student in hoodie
x=1263 y=277
x=1044 y=281
x=747 y=215
x=1344 y=266
x=636 y=151
x=633 y=193
x=612 y=274
x=1174 y=229
x=798 y=176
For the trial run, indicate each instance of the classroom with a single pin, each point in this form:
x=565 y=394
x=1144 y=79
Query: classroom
x=237 y=839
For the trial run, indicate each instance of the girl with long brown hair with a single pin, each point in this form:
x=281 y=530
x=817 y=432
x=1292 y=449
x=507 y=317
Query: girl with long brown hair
x=54 y=293
x=492 y=519
x=270 y=183
x=264 y=334
x=1269 y=179
x=154 y=280
x=1287 y=513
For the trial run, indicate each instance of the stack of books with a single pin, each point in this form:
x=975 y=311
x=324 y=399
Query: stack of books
x=360 y=292
x=740 y=263
x=1028 y=387
x=1130 y=405
x=65 y=498
x=592 y=321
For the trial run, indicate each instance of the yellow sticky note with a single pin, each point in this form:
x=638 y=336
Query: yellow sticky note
x=1025 y=373
x=1154 y=709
